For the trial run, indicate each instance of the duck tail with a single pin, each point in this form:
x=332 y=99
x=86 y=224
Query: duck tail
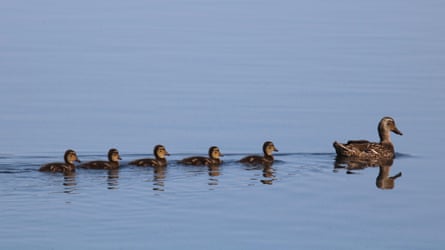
x=341 y=149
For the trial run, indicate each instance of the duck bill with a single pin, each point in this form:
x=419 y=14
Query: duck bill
x=397 y=131
x=77 y=160
x=167 y=153
x=275 y=150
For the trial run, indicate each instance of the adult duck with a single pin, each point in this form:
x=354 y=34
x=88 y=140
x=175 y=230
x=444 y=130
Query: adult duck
x=363 y=149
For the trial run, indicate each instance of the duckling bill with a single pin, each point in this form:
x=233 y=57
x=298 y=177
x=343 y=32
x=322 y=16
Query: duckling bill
x=213 y=159
x=364 y=149
x=66 y=167
x=159 y=152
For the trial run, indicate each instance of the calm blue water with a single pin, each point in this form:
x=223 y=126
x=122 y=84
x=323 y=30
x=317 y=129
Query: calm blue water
x=91 y=75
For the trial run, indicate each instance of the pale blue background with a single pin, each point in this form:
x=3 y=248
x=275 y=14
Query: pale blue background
x=90 y=75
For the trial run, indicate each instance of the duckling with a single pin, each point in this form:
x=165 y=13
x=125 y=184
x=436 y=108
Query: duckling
x=112 y=163
x=363 y=149
x=267 y=159
x=68 y=166
x=159 y=152
x=212 y=160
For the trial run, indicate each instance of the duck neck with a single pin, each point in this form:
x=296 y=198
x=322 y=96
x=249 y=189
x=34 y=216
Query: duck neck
x=268 y=157
x=161 y=161
x=214 y=160
x=384 y=135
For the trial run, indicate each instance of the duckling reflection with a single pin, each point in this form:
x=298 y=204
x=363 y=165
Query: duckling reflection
x=113 y=179
x=159 y=174
x=69 y=182
x=383 y=180
x=214 y=172
x=267 y=172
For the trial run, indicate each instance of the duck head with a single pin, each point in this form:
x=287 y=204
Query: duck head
x=70 y=156
x=269 y=148
x=387 y=125
x=214 y=153
x=113 y=155
x=160 y=152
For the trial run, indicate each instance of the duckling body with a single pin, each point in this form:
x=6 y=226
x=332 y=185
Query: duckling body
x=159 y=152
x=112 y=163
x=363 y=149
x=266 y=159
x=68 y=166
x=212 y=160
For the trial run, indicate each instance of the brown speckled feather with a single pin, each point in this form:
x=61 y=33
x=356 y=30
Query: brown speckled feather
x=159 y=152
x=212 y=160
x=267 y=159
x=112 y=163
x=58 y=167
x=68 y=166
x=363 y=149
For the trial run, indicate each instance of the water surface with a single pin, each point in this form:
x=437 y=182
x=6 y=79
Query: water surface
x=91 y=75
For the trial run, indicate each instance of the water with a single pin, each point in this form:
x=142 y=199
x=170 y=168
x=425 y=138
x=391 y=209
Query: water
x=91 y=75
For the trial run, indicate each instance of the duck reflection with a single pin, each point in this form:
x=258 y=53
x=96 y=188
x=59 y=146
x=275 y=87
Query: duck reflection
x=214 y=172
x=268 y=172
x=69 y=182
x=383 y=180
x=113 y=179
x=159 y=174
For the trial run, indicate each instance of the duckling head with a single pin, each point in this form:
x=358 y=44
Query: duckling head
x=269 y=148
x=71 y=156
x=214 y=153
x=113 y=155
x=386 y=125
x=160 y=152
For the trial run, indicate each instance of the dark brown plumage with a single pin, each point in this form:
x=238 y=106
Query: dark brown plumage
x=363 y=149
x=267 y=159
x=212 y=160
x=159 y=152
x=112 y=163
x=68 y=166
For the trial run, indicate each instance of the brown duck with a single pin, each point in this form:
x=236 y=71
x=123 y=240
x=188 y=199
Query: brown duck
x=112 y=163
x=266 y=159
x=68 y=166
x=159 y=152
x=363 y=149
x=212 y=160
